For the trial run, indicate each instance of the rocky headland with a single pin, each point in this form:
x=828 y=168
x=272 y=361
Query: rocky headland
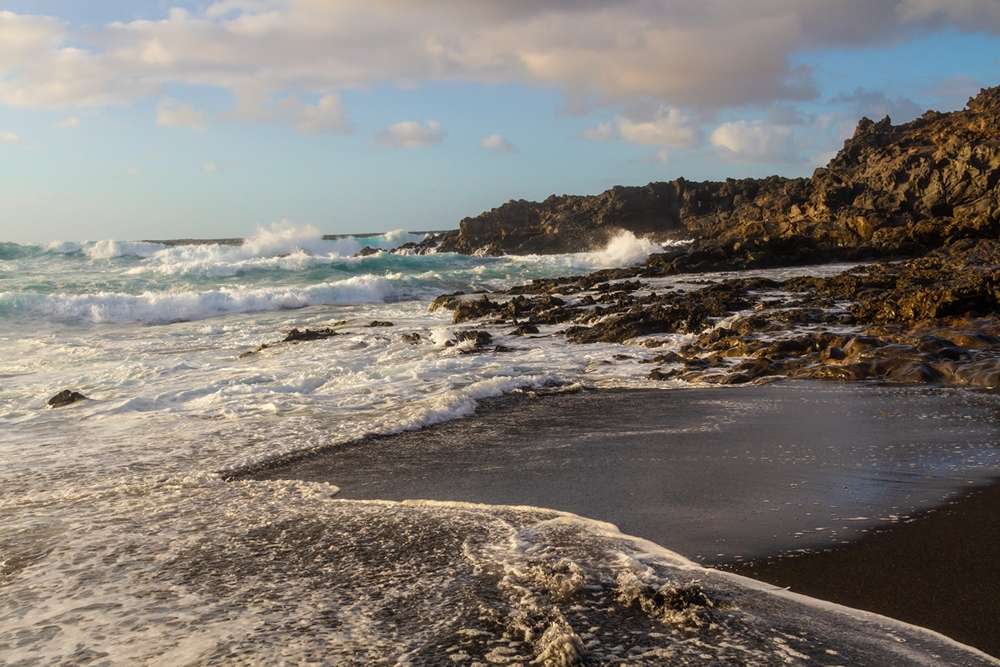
x=916 y=205
x=891 y=191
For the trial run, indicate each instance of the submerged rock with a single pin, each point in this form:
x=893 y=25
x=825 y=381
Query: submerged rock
x=66 y=397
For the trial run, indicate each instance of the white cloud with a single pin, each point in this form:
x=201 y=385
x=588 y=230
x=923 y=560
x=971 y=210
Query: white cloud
x=497 y=143
x=211 y=167
x=9 y=138
x=755 y=140
x=68 y=123
x=412 y=134
x=670 y=128
x=266 y=50
x=326 y=116
x=171 y=113
x=600 y=132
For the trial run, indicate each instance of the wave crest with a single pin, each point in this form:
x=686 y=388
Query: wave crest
x=177 y=306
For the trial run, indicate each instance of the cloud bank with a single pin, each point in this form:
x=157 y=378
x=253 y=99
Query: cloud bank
x=263 y=51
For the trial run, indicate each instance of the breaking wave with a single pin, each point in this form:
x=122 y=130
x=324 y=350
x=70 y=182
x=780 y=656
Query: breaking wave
x=175 y=306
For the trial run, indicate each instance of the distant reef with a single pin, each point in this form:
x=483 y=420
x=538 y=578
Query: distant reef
x=891 y=191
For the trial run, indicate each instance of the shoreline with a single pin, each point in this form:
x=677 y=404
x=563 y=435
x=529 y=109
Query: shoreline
x=955 y=592
x=581 y=461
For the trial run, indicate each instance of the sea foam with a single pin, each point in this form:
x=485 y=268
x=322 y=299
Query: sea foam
x=281 y=246
x=175 y=306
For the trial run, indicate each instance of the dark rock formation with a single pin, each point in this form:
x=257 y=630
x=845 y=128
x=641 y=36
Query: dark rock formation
x=299 y=336
x=890 y=191
x=567 y=223
x=66 y=397
x=380 y=323
x=479 y=338
x=929 y=319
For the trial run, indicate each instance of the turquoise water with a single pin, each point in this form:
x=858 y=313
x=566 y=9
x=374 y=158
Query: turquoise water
x=279 y=268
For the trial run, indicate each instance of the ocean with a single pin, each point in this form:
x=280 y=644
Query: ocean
x=122 y=542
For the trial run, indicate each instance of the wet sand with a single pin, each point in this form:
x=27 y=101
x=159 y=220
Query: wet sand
x=940 y=570
x=734 y=475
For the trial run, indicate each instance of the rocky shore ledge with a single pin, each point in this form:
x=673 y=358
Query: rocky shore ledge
x=930 y=319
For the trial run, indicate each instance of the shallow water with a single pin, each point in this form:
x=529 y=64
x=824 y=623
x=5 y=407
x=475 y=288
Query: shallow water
x=120 y=541
x=719 y=474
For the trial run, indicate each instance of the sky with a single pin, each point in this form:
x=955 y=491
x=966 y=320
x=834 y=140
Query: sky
x=135 y=119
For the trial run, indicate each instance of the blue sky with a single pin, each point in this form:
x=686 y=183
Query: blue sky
x=135 y=120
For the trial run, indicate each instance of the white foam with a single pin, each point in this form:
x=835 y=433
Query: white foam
x=109 y=249
x=624 y=249
x=281 y=246
x=401 y=236
x=63 y=247
x=175 y=306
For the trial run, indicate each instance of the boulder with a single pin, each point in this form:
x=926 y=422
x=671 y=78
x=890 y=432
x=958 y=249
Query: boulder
x=66 y=397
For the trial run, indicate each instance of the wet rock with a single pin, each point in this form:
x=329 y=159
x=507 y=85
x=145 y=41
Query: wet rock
x=66 y=397
x=413 y=338
x=623 y=286
x=465 y=310
x=662 y=375
x=301 y=335
x=367 y=251
x=380 y=323
x=446 y=301
x=523 y=330
x=479 y=338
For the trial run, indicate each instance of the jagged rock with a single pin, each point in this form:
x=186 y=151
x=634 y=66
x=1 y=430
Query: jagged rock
x=412 y=338
x=479 y=338
x=66 y=397
x=464 y=310
x=367 y=251
x=446 y=301
x=380 y=323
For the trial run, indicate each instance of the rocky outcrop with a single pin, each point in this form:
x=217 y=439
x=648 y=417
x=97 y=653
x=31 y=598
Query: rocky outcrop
x=66 y=397
x=300 y=336
x=568 y=223
x=929 y=319
x=892 y=190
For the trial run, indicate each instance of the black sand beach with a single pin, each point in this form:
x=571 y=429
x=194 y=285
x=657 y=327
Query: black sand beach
x=940 y=570
x=731 y=476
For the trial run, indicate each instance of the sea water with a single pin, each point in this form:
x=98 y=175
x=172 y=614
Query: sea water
x=121 y=542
